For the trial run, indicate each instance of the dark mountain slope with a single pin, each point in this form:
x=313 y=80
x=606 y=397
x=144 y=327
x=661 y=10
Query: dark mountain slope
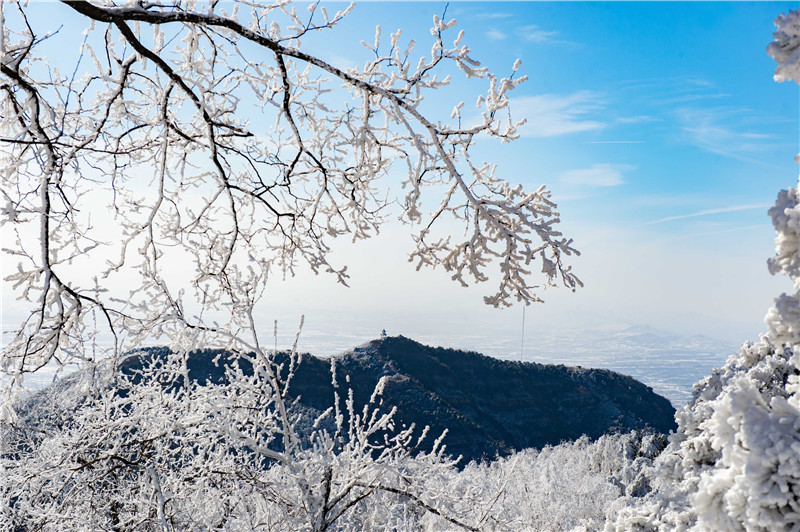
x=531 y=405
x=489 y=406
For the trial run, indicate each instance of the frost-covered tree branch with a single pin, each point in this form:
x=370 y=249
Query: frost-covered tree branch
x=206 y=136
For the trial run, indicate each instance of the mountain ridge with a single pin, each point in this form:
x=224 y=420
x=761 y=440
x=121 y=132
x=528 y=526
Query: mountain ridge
x=489 y=406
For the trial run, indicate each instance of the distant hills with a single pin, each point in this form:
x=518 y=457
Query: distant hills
x=489 y=406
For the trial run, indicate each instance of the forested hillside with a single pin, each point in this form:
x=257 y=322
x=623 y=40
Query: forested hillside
x=489 y=407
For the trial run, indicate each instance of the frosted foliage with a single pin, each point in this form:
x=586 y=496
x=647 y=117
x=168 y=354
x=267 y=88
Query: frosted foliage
x=756 y=484
x=734 y=462
x=166 y=456
x=151 y=450
x=783 y=320
x=786 y=47
x=786 y=219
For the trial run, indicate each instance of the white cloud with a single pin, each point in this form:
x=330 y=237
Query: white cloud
x=725 y=131
x=536 y=34
x=599 y=175
x=550 y=115
x=495 y=35
x=723 y=231
x=614 y=142
x=712 y=211
x=494 y=15
x=637 y=119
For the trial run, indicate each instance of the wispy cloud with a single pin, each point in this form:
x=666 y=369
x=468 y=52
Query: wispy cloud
x=692 y=110
x=671 y=90
x=637 y=119
x=695 y=97
x=614 y=142
x=599 y=175
x=494 y=15
x=708 y=212
x=725 y=131
x=536 y=34
x=495 y=35
x=674 y=200
x=721 y=232
x=551 y=115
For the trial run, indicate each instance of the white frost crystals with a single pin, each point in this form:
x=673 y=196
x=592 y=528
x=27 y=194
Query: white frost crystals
x=786 y=219
x=783 y=320
x=785 y=50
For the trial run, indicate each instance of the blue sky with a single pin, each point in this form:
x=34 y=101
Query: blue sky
x=658 y=128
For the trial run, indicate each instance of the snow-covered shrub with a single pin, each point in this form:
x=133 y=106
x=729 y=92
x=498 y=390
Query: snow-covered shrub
x=150 y=450
x=571 y=486
x=734 y=463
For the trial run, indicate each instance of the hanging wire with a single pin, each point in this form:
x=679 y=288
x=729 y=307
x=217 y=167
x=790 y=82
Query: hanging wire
x=522 y=341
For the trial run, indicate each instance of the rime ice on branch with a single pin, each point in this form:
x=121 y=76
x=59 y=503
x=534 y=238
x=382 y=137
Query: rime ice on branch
x=785 y=49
